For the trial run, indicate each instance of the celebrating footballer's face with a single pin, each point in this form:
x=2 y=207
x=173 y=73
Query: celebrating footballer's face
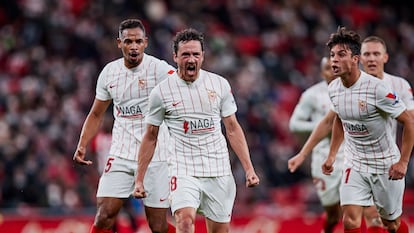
x=373 y=58
x=189 y=58
x=342 y=60
x=132 y=42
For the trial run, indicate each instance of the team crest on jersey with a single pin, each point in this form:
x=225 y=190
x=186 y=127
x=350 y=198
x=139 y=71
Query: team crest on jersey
x=212 y=95
x=142 y=83
x=362 y=105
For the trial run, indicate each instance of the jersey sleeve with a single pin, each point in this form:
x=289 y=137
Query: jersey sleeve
x=388 y=101
x=228 y=104
x=164 y=70
x=407 y=94
x=300 y=119
x=101 y=87
x=156 y=108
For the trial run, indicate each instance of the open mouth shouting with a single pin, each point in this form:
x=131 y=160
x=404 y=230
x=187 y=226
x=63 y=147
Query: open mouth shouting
x=335 y=69
x=191 y=70
x=133 y=56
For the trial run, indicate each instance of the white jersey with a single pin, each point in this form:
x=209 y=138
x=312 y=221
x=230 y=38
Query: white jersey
x=129 y=90
x=404 y=92
x=312 y=107
x=193 y=112
x=364 y=109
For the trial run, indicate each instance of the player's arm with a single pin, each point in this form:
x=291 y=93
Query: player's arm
x=336 y=141
x=89 y=129
x=399 y=169
x=300 y=121
x=149 y=141
x=392 y=104
x=145 y=154
x=406 y=96
x=321 y=131
x=238 y=143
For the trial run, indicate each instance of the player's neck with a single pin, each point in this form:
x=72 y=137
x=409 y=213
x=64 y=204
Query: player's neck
x=351 y=78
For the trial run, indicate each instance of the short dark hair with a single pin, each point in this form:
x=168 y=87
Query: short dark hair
x=375 y=39
x=130 y=23
x=346 y=37
x=187 y=35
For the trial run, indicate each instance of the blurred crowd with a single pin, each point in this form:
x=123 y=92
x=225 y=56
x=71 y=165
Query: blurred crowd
x=52 y=51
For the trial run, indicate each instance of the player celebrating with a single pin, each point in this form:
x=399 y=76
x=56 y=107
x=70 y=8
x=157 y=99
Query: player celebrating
x=374 y=168
x=127 y=83
x=192 y=104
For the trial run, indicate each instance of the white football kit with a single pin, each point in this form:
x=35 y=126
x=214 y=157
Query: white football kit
x=129 y=90
x=369 y=143
x=313 y=105
x=404 y=92
x=199 y=159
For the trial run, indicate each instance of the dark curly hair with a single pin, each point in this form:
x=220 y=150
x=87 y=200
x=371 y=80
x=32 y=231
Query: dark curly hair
x=187 y=35
x=130 y=23
x=345 y=37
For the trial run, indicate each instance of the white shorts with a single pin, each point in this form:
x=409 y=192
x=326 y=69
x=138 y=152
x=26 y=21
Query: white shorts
x=327 y=187
x=365 y=189
x=118 y=180
x=212 y=197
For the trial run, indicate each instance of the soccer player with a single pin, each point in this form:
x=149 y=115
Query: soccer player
x=127 y=82
x=311 y=108
x=373 y=58
x=100 y=146
x=193 y=103
x=374 y=167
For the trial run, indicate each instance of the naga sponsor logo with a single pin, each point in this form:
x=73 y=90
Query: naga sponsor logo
x=198 y=126
x=129 y=111
x=357 y=129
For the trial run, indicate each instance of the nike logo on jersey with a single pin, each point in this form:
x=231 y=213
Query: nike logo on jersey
x=112 y=85
x=176 y=103
x=163 y=199
x=392 y=213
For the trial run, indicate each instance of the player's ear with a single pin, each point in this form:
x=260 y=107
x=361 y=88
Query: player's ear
x=145 y=42
x=386 y=58
x=118 y=41
x=355 y=59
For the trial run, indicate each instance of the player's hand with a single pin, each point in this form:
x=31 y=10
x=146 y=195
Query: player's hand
x=397 y=171
x=79 y=156
x=139 y=191
x=327 y=166
x=295 y=162
x=252 y=179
